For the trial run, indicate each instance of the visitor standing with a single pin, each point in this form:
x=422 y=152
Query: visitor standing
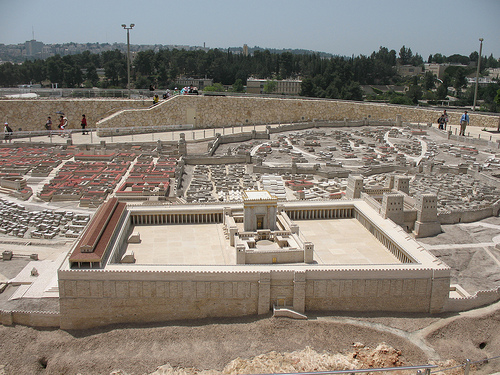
x=441 y=122
x=48 y=125
x=84 y=125
x=446 y=119
x=464 y=121
x=7 y=130
x=63 y=123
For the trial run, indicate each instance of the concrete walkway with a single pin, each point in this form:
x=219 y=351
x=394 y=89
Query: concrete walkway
x=77 y=138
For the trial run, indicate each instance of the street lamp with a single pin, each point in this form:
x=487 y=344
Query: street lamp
x=477 y=72
x=128 y=55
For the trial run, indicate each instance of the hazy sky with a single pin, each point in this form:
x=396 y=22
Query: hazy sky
x=343 y=27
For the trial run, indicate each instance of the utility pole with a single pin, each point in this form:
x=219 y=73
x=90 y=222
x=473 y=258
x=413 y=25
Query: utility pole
x=128 y=55
x=477 y=72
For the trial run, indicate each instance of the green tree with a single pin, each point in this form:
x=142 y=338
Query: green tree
x=400 y=99
x=9 y=75
x=270 y=87
x=459 y=79
x=442 y=92
x=497 y=98
x=286 y=62
x=238 y=86
x=307 y=87
x=405 y=55
x=352 y=92
x=144 y=63
x=92 y=77
x=216 y=87
x=429 y=80
x=414 y=93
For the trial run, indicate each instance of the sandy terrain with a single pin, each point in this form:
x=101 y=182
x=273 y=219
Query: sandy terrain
x=213 y=344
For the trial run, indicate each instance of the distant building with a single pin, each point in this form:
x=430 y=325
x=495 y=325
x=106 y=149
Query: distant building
x=33 y=48
x=284 y=86
x=494 y=73
x=409 y=70
x=245 y=50
x=436 y=69
x=482 y=81
x=201 y=83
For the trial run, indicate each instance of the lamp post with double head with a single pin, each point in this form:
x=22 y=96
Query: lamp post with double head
x=477 y=72
x=128 y=55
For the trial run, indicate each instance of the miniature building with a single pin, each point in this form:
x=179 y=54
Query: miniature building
x=260 y=209
x=392 y=208
x=427 y=223
x=402 y=184
x=268 y=236
x=189 y=263
x=354 y=187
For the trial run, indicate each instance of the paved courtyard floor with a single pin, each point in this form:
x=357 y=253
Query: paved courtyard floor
x=343 y=241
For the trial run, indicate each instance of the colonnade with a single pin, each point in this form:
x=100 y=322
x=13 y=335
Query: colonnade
x=320 y=213
x=176 y=218
x=396 y=250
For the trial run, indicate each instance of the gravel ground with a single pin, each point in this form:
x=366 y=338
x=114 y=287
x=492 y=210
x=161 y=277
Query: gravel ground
x=213 y=344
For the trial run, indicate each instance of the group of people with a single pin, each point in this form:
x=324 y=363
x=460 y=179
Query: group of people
x=63 y=123
x=464 y=121
x=156 y=97
x=443 y=121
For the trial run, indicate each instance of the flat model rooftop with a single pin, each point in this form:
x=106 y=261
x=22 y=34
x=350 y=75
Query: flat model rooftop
x=342 y=241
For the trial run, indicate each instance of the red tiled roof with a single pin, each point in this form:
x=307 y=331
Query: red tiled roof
x=118 y=208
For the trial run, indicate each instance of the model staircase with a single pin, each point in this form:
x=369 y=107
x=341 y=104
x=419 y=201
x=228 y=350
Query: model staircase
x=287 y=312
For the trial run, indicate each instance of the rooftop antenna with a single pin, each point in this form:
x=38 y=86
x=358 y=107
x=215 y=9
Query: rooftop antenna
x=33 y=32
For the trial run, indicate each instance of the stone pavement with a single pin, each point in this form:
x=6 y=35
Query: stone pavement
x=77 y=138
x=336 y=242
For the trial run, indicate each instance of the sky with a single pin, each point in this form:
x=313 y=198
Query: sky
x=340 y=27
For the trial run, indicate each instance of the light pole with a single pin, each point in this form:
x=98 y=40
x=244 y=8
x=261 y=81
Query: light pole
x=128 y=55
x=477 y=72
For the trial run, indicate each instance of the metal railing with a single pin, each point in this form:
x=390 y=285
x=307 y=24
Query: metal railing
x=419 y=370
x=77 y=93
x=414 y=369
x=467 y=365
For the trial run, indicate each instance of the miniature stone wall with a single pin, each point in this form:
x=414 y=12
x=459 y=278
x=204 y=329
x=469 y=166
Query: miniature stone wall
x=347 y=291
x=98 y=298
x=206 y=160
x=468 y=216
x=207 y=111
x=30 y=318
x=89 y=299
x=480 y=298
x=31 y=114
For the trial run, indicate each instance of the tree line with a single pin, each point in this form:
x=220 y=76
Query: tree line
x=337 y=77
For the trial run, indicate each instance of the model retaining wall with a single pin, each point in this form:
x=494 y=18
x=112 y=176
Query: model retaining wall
x=468 y=216
x=31 y=114
x=205 y=111
x=97 y=298
x=481 y=298
x=30 y=318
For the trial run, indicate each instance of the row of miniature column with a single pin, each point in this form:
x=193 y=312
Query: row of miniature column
x=176 y=218
x=387 y=242
x=333 y=213
x=395 y=250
